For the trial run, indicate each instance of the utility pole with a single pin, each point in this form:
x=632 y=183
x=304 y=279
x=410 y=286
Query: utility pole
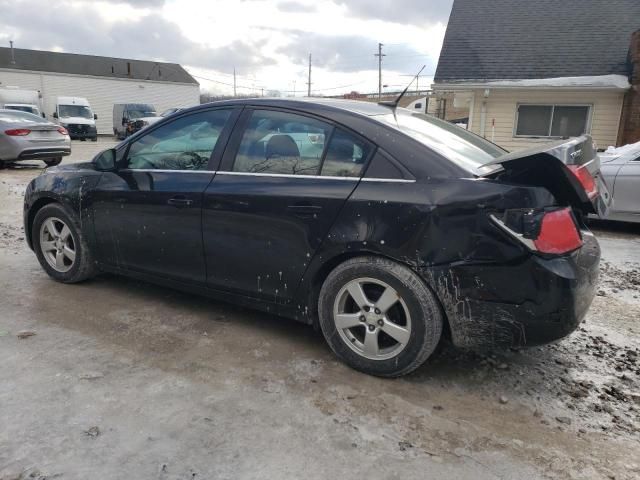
x=13 y=57
x=309 y=81
x=379 y=55
x=234 y=81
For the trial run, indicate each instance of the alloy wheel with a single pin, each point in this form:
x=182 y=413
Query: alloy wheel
x=57 y=244
x=372 y=318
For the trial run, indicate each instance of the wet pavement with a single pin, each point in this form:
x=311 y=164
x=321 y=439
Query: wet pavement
x=115 y=378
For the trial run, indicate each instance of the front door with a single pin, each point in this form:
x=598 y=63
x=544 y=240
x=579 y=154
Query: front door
x=147 y=214
x=283 y=181
x=627 y=199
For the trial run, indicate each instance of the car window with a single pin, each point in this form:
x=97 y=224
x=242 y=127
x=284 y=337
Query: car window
x=184 y=144
x=279 y=142
x=346 y=155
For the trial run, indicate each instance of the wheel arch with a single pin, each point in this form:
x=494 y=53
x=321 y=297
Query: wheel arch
x=31 y=215
x=318 y=277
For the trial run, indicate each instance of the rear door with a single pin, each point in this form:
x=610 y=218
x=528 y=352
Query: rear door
x=283 y=181
x=147 y=214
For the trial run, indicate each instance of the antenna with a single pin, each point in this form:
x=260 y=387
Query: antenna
x=394 y=103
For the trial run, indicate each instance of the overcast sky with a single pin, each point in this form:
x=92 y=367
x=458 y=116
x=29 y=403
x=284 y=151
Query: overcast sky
x=267 y=41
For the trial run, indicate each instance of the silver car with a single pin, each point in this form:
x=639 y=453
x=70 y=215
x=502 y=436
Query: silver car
x=621 y=170
x=25 y=136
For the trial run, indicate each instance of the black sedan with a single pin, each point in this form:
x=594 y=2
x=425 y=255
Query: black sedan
x=387 y=229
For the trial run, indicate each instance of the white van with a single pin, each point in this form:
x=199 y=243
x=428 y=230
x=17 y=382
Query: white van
x=75 y=114
x=14 y=98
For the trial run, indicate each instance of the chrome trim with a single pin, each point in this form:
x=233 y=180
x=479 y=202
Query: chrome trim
x=389 y=180
x=160 y=170
x=289 y=175
x=275 y=175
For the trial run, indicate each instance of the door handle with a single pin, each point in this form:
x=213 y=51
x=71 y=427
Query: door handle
x=180 y=201
x=304 y=210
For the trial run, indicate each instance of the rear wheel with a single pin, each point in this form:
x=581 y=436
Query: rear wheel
x=51 y=162
x=379 y=317
x=61 y=250
x=94 y=139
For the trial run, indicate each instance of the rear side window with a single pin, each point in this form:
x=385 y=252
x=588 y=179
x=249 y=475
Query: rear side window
x=281 y=142
x=346 y=155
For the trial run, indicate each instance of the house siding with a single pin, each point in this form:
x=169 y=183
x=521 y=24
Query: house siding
x=502 y=105
x=102 y=93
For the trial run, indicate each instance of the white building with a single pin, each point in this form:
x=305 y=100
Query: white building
x=102 y=80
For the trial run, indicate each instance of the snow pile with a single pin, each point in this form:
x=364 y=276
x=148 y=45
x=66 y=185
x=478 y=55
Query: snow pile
x=601 y=81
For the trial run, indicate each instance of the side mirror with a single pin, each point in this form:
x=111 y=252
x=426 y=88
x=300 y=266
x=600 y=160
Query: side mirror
x=95 y=116
x=55 y=115
x=43 y=115
x=106 y=161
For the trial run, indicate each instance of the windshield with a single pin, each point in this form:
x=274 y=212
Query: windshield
x=140 y=111
x=22 y=108
x=466 y=149
x=17 y=116
x=82 y=111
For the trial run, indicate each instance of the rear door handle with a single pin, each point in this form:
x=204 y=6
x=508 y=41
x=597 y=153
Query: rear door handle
x=304 y=210
x=180 y=201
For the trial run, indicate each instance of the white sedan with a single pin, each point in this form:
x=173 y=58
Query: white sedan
x=621 y=170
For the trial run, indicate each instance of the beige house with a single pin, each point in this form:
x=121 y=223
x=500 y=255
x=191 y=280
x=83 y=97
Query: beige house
x=529 y=75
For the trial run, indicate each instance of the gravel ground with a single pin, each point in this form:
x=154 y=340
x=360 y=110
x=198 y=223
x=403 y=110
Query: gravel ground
x=119 y=379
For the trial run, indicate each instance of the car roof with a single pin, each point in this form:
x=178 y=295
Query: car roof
x=351 y=106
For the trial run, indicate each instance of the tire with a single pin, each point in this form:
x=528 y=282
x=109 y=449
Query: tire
x=52 y=162
x=94 y=139
x=82 y=266
x=410 y=312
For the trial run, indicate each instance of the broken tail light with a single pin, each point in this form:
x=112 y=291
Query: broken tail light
x=552 y=232
x=17 y=132
x=586 y=180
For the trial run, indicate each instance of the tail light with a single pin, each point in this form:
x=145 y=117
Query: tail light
x=18 y=132
x=63 y=131
x=586 y=179
x=548 y=231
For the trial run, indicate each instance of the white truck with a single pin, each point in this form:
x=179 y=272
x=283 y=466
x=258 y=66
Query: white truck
x=75 y=114
x=14 y=98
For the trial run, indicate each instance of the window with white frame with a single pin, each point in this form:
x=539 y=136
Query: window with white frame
x=554 y=121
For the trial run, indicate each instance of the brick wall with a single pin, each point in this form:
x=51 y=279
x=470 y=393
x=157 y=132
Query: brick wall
x=630 y=120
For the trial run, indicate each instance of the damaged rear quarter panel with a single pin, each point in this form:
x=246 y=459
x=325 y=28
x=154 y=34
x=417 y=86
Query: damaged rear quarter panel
x=429 y=225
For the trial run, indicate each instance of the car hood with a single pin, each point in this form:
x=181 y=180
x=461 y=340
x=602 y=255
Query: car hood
x=77 y=120
x=150 y=120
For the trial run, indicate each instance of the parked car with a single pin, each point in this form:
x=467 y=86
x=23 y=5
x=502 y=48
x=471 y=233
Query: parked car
x=128 y=118
x=25 y=136
x=75 y=114
x=402 y=228
x=621 y=170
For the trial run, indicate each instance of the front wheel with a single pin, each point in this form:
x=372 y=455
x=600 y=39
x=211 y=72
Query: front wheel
x=379 y=317
x=59 y=245
x=52 y=162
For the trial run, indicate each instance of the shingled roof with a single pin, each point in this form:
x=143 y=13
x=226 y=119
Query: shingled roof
x=56 y=62
x=532 y=39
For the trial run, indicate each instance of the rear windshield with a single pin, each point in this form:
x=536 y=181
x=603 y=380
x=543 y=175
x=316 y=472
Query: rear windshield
x=466 y=149
x=20 y=117
x=21 y=108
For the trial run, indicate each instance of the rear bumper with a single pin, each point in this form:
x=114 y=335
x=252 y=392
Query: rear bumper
x=49 y=152
x=533 y=302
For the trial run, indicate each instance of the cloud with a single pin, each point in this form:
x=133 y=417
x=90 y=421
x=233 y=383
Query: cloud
x=350 y=53
x=296 y=7
x=150 y=37
x=413 y=12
